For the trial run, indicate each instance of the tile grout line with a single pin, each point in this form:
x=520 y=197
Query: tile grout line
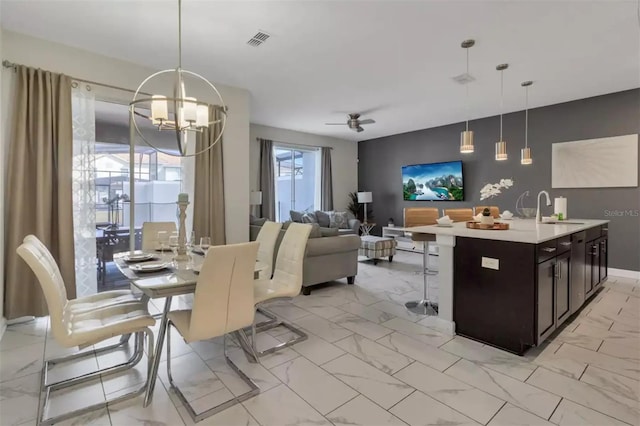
x=554 y=410
x=500 y=409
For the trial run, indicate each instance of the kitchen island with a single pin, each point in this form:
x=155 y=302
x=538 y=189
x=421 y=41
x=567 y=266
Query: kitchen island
x=513 y=288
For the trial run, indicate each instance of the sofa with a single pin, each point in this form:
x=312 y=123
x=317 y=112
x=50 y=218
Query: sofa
x=344 y=222
x=329 y=255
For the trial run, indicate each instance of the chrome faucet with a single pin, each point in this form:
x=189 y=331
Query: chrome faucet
x=538 y=213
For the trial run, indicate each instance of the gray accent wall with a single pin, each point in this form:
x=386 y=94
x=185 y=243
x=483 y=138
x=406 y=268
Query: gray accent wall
x=381 y=161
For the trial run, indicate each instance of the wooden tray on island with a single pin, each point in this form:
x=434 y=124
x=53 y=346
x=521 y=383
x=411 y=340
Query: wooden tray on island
x=497 y=226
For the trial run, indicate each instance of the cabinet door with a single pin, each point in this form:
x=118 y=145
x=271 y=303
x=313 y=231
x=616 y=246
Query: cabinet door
x=604 y=259
x=594 y=249
x=546 y=296
x=563 y=289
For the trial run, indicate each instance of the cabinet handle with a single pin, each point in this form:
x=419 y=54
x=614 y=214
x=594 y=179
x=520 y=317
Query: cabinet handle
x=594 y=253
x=565 y=243
x=605 y=229
x=549 y=249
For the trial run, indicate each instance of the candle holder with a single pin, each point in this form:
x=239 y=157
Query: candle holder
x=182 y=255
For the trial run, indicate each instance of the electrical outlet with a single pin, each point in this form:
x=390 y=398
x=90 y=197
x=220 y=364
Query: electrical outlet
x=491 y=263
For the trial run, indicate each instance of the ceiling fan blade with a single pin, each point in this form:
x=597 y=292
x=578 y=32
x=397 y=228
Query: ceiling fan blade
x=367 y=121
x=335 y=124
x=359 y=129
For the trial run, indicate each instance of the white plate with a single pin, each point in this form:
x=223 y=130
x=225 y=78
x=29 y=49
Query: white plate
x=149 y=267
x=445 y=225
x=506 y=218
x=138 y=257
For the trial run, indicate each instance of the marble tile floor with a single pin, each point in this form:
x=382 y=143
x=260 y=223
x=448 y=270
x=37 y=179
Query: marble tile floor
x=367 y=362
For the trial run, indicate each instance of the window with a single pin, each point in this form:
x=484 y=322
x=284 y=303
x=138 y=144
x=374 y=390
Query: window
x=297 y=177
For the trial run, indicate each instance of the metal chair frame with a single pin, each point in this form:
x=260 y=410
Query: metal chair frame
x=135 y=358
x=253 y=388
x=272 y=323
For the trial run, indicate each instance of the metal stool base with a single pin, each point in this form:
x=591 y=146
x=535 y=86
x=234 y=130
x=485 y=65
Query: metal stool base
x=422 y=307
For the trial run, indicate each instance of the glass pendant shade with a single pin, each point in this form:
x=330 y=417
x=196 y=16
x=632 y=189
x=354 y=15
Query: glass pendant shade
x=501 y=151
x=466 y=142
x=525 y=156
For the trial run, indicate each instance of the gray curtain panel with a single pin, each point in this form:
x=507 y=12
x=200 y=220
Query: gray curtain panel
x=208 y=193
x=267 y=179
x=326 y=182
x=39 y=187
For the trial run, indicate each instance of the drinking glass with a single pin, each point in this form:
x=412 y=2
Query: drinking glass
x=173 y=244
x=162 y=239
x=205 y=243
x=192 y=240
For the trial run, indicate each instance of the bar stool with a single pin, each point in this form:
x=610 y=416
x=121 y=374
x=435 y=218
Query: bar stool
x=423 y=217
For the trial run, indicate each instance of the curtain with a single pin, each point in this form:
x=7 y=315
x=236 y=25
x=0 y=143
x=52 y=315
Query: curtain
x=267 y=179
x=326 y=182
x=208 y=198
x=84 y=190
x=39 y=186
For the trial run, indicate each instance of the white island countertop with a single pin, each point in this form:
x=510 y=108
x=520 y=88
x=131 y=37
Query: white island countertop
x=520 y=230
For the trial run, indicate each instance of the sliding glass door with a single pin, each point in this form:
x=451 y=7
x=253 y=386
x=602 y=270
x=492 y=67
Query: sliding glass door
x=297 y=177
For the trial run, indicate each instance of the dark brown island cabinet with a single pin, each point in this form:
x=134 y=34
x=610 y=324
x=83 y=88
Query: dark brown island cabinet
x=513 y=295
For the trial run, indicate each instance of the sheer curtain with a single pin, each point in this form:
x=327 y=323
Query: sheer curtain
x=84 y=189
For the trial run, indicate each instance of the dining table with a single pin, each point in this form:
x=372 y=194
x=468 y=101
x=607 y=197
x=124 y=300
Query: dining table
x=174 y=279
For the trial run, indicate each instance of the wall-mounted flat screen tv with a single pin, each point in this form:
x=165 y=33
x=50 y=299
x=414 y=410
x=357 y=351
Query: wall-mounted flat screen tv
x=433 y=182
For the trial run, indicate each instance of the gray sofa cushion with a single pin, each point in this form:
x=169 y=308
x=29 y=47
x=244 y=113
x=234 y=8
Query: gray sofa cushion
x=258 y=221
x=324 y=219
x=309 y=218
x=329 y=232
x=296 y=216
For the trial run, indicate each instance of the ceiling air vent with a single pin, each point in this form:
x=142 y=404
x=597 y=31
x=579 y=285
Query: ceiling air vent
x=259 y=38
x=464 y=78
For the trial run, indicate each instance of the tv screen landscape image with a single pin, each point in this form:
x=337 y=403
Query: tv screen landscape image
x=433 y=182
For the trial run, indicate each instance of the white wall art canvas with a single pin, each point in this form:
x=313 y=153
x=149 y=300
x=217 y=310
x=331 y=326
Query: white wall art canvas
x=595 y=163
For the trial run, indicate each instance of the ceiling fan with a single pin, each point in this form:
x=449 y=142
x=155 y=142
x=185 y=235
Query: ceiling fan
x=353 y=122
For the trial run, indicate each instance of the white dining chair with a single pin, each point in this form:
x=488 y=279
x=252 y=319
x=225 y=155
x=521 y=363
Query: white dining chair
x=86 y=303
x=285 y=284
x=267 y=237
x=83 y=328
x=150 y=233
x=223 y=303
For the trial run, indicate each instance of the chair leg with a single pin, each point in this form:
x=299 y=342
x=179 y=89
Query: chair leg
x=253 y=388
x=135 y=358
x=301 y=335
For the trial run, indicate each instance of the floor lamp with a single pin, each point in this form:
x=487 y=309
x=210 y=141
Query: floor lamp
x=255 y=198
x=364 y=198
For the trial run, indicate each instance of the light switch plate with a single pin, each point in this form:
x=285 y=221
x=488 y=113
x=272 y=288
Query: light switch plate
x=491 y=263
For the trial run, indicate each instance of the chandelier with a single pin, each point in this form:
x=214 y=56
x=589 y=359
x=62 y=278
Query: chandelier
x=177 y=112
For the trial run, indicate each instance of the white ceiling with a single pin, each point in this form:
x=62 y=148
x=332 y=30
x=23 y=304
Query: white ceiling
x=394 y=59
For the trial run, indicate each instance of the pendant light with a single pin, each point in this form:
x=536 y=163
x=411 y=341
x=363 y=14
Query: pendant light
x=501 y=145
x=466 y=137
x=174 y=111
x=525 y=153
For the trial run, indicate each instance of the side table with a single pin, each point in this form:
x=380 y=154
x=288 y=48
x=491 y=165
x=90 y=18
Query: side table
x=366 y=227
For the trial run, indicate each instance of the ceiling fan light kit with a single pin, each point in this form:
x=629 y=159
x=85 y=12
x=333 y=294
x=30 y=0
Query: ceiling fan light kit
x=354 y=122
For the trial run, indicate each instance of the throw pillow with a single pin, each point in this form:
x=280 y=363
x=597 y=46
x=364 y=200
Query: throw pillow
x=295 y=216
x=309 y=218
x=323 y=219
x=341 y=219
x=258 y=221
x=329 y=232
x=332 y=220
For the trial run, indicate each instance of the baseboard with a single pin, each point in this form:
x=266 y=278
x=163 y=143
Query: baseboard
x=624 y=273
x=3 y=326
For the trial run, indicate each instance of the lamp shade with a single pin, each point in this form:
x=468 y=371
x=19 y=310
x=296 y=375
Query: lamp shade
x=255 y=198
x=365 y=197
